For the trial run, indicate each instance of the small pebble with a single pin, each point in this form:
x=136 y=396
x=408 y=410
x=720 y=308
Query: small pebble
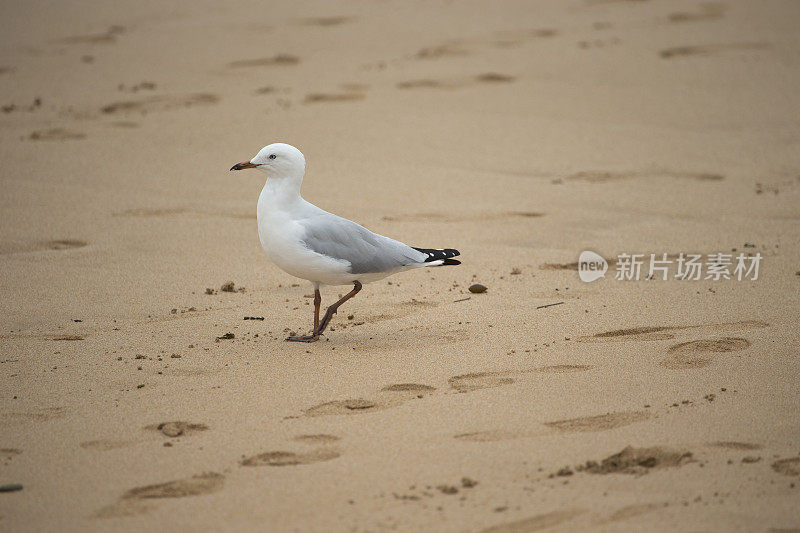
x=477 y=288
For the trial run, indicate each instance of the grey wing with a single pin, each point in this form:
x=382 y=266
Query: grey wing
x=367 y=252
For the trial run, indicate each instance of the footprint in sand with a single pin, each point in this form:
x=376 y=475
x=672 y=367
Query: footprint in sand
x=64 y=244
x=497 y=39
x=315 y=98
x=606 y=176
x=37 y=246
x=515 y=37
x=159 y=103
x=67 y=337
x=585 y=424
x=106 y=37
x=7 y=454
x=177 y=429
x=787 y=467
x=707 y=12
x=637 y=461
x=598 y=423
x=105 y=445
x=125 y=124
x=535 y=523
x=734 y=445
x=399 y=310
x=389 y=396
x=657 y=333
x=629 y=511
x=560 y=369
x=325 y=22
x=276 y=60
x=134 y=500
x=476 y=217
x=173 y=211
x=347 y=407
x=56 y=134
x=709 y=49
x=151 y=212
x=408 y=390
x=36 y=415
x=492 y=435
x=317 y=438
x=426 y=83
x=282 y=458
x=480 y=380
x=487 y=380
x=699 y=353
x=451 y=49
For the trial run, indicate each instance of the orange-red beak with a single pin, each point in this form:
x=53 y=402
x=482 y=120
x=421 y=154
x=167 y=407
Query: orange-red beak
x=243 y=165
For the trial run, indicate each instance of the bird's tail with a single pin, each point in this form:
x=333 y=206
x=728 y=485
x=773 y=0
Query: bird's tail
x=441 y=255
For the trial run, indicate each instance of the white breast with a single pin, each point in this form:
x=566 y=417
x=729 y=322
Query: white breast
x=281 y=237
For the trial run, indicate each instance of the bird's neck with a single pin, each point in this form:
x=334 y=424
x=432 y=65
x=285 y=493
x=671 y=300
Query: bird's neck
x=282 y=189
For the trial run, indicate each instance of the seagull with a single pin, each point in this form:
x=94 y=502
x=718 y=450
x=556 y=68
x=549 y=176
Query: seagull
x=312 y=244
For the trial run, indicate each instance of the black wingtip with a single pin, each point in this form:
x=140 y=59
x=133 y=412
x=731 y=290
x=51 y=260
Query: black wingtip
x=440 y=254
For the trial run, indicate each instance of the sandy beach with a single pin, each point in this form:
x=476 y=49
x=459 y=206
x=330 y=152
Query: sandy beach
x=136 y=396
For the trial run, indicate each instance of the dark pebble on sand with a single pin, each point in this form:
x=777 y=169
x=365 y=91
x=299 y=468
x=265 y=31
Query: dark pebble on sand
x=477 y=288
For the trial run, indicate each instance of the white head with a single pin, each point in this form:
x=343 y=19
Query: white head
x=278 y=160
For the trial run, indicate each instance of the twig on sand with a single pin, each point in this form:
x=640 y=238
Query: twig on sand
x=548 y=305
x=462 y=299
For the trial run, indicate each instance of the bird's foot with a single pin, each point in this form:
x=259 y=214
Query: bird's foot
x=303 y=338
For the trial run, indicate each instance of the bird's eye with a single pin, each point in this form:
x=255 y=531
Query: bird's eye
x=272 y=156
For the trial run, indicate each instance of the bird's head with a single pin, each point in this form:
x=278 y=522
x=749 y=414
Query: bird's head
x=276 y=160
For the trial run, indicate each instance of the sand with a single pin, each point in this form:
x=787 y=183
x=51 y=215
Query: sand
x=521 y=134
